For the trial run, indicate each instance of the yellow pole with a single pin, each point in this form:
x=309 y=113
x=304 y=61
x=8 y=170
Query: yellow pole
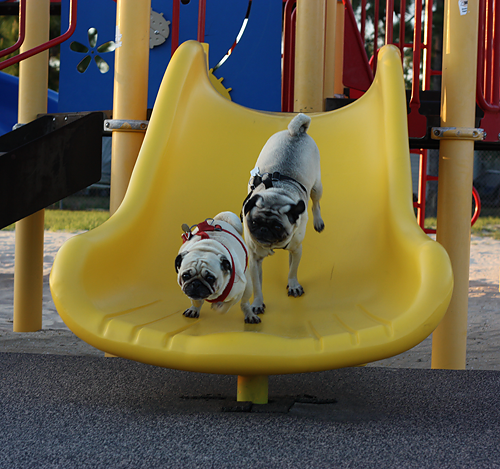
x=33 y=80
x=339 y=49
x=253 y=389
x=130 y=90
x=309 y=56
x=455 y=175
x=330 y=49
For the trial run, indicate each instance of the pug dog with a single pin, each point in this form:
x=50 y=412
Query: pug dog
x=286 y=174
x=212 y=266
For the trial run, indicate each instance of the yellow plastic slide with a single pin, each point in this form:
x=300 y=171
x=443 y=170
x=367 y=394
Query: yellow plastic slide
x=375 y=284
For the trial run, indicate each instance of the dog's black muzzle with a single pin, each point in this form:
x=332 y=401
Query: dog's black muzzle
x=267 y=231
x=196 y=289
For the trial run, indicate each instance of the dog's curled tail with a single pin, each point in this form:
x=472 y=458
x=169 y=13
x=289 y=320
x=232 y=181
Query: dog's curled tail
x=299 y=125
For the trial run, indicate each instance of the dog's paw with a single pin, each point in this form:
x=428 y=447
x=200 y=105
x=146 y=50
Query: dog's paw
x=319 y=225
x=192 y=313
x=218 y=306
x=295 y=290
x=258 y=308
x=252 y=319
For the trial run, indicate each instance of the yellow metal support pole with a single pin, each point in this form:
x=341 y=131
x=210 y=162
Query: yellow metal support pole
x=330 y=49
x=339 y=49
x=309 y=56
x=130 y=90
x=455 y=175
x=33 y=81
x=253 y=389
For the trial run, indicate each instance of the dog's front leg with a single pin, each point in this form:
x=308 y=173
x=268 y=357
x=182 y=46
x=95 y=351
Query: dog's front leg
x=255 y=265
x=294 y=287
x=194 y=310
x=250 y=316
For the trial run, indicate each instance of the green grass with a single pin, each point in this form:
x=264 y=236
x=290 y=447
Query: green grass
x=68 y=220
x=484 y=226
x=84 y=220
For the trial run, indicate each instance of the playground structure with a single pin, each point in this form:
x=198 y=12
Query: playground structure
x=311 y=87
x=370 y=293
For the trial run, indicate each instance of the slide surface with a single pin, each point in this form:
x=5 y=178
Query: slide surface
x=375 y=284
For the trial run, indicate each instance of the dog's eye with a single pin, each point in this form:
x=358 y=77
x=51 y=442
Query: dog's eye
x=278 y=227
x=210 y=278
x=186 y=276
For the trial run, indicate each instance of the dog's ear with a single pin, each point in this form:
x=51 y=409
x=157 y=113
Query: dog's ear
x=178 y=262
x=250 y=203
x=225 y=265
x=295 y=211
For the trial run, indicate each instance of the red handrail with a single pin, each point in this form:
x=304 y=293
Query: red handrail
x=22 y=30
x=48 y=44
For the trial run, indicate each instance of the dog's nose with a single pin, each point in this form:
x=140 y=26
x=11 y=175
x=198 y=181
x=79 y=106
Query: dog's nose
x=196 y=290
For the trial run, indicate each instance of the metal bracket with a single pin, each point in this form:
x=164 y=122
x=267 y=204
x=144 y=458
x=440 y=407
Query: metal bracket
x=457 y=133
x=125 y=125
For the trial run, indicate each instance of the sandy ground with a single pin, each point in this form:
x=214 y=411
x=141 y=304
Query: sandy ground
x=483 y=341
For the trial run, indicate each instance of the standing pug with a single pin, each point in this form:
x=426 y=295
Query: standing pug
x=286 y=174
x=212 y=266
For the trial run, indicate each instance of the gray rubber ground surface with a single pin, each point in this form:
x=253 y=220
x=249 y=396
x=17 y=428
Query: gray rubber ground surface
x=87 y=412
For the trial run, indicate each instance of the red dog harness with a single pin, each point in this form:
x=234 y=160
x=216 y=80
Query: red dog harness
x=203 y=229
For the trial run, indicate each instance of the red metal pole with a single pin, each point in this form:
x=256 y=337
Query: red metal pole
x=363 y=20
x=402 y=26
x=428 y=45
x=488 y=52
x=495 y=92
x=417 y=31
x=422 y=188
x=202 y=8
x=481 y=58
x=176 y=13
x=389 y=17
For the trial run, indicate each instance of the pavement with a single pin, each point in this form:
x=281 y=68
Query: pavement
x=64 y=405
x=92 y=412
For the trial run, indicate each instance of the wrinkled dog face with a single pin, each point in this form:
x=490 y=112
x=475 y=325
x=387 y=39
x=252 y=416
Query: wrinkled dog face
x=201 y=277
x=270 y=220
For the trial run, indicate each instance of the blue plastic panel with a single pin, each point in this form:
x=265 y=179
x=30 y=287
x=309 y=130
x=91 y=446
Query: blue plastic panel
x=90 y=90
x=253 y=71
x=9 y=94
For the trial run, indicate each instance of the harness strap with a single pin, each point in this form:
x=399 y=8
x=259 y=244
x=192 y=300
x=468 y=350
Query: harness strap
x=229 y=285
x=267 y=179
